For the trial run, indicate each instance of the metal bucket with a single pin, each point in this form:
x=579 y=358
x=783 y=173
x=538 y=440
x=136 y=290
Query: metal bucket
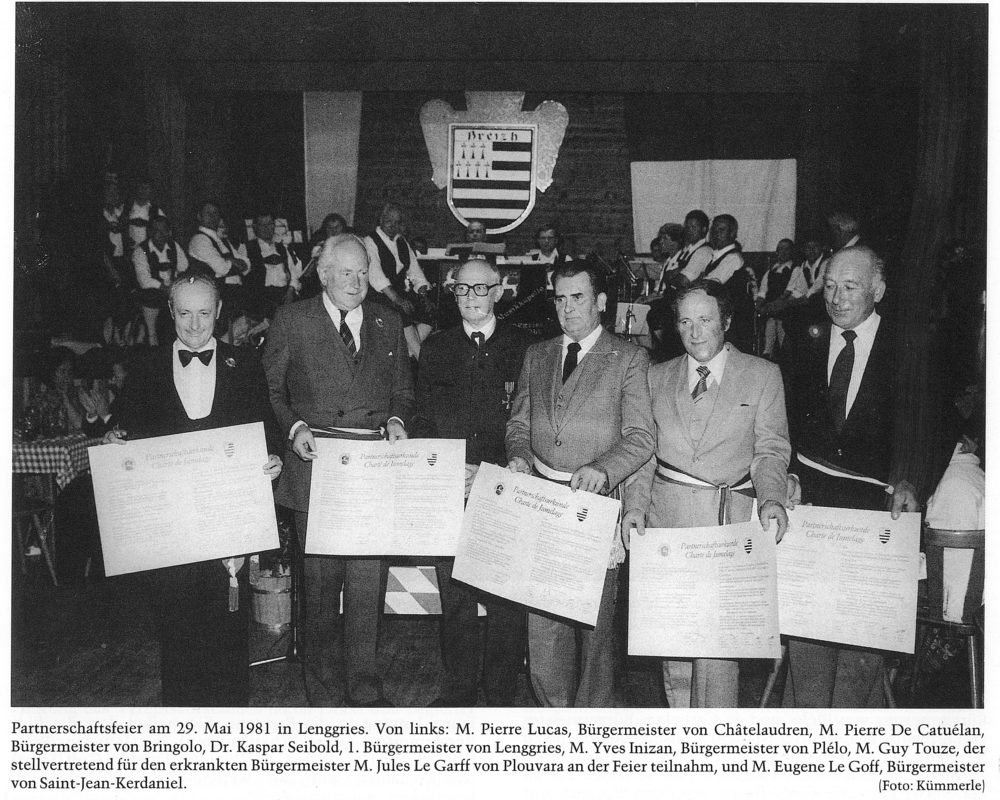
x=271 y=602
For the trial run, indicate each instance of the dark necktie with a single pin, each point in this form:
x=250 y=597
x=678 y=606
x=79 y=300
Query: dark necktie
x=702 y=385
x=205 y=356
x=477 y=340
x=346 y=335
x=570 y=363
x=840 y=380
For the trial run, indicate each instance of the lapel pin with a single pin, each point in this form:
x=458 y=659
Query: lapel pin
x=378 y=321
x=230 y=362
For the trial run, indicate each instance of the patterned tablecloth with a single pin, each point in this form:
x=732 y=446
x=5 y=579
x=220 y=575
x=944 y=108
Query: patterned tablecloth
x=64 y=457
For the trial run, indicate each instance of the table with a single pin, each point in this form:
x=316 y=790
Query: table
x=61 y=457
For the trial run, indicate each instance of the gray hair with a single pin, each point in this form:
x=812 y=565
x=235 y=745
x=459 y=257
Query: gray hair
x=326 y=255
x=189 y=278
x=479 y=262
x=874 y=261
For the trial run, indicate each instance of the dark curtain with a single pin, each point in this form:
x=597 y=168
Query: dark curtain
x=166 y=124
x=948 y=202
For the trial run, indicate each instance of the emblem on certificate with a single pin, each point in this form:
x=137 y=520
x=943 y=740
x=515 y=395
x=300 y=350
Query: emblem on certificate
x=494 y=155
x=581 y=514
x=432 y=459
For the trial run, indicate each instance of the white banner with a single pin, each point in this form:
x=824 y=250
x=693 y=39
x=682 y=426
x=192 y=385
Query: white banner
x=760 y=194
x=850 y=577
x=185 y=498
x=704 y=593
x=332 y=125
x=536 y=542
x=376 y=498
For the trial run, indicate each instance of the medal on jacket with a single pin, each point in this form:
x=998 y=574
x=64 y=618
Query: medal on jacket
x=508 y=389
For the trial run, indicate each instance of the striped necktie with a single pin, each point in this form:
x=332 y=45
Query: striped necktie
x=702 y=385
x=346 y=335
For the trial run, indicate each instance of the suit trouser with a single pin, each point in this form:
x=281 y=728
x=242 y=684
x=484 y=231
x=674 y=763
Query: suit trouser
x=553 y=648
x=204 y=647
x=506 y=630
x=338 y=646
x=822 y=675
x=702 y=683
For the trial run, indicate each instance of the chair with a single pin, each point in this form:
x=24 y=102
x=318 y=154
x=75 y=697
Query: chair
x=34 y=516
x=930 y=613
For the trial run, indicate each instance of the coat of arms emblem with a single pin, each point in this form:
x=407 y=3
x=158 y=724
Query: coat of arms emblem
x=493 y=156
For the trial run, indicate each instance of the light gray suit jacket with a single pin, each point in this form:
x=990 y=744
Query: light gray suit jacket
x=601 y=416
x=747 y=431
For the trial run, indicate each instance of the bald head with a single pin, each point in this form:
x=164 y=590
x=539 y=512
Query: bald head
x=343 y=270
x=853 y=284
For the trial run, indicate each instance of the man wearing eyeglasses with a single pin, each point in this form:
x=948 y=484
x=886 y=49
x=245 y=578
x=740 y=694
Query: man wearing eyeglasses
x=465 y=387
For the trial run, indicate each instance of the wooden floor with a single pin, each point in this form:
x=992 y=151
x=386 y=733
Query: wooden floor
x=93 y=644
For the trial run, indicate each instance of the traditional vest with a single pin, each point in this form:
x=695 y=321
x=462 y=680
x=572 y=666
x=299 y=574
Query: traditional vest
x=155 y=264
x=683 y=260
x=388 y=261
x=259 y=263
x=777 y=282
x=223 y=251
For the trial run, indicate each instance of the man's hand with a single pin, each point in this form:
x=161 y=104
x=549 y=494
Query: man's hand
x=518 y=464
x=273 y=466
x=395 y=431
x=304 y=444
x=774 y=510
x=794 y=490
x=904 y=498
x=633 y=519
x=116 y=436
x=590 y=479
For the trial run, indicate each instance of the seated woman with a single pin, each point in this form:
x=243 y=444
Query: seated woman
x=58 y=401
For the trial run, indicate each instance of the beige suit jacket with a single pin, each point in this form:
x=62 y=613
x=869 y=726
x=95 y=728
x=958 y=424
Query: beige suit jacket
x=601 y=416
x=747 y=431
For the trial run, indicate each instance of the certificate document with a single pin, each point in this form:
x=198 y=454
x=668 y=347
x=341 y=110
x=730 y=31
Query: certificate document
x=537 y=543
x=180 y=499
x=704 y=593
x=850 y=577
x=386 y=499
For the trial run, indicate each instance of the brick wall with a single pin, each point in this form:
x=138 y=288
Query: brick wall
x=590 y=195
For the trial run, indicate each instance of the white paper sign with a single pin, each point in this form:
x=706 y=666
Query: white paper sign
x=537 y=543
x=704 y=593
x=382 y=499
x=185 y=498
x=850 y=577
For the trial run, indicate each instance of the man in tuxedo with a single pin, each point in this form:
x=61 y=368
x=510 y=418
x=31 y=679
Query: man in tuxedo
x=721 y=440
x=842 y=429
x=337 y=366
x=581 y=417
x=193 y=385
x=465 y=386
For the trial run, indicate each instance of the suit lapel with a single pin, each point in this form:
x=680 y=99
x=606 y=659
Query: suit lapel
x=726 y=397
x=876 y=362
x=168 y=391
x=327 y=334
x=551 y=368
x=586 y=375
x=684 y=405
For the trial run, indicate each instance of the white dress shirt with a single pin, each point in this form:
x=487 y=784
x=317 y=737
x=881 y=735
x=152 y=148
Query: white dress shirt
x=731 y=261
x=202 y=248
x=145 y=273
x=702 y=258
x=716 y=367
x=195 y=383
x=486 y=329
x=586 y=344
x=799 y=285
x=862 y=350
x=376 y=276
x=275 y=274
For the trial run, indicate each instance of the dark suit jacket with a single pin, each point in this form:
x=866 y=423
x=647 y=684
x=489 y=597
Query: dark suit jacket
x=150 y=405
x=864 y=444
x=312 y=378
x=461 y=391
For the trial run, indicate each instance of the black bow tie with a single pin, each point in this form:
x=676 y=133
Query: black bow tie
x=205 y=356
